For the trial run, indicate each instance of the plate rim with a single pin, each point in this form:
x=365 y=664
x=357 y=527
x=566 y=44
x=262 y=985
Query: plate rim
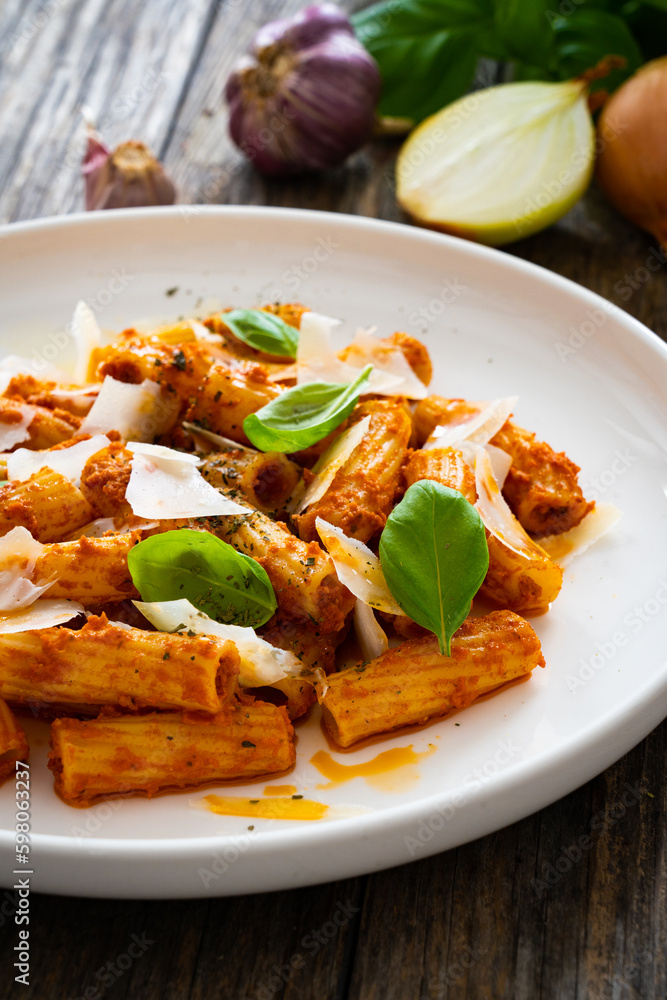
x=639 y=716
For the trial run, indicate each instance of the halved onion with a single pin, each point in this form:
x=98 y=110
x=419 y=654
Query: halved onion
x=261 y=663
x=499 y=164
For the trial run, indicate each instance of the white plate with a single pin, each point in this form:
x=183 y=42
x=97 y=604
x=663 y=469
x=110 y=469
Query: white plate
x=590 y=381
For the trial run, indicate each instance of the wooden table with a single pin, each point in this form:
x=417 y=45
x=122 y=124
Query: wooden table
x=466 y=924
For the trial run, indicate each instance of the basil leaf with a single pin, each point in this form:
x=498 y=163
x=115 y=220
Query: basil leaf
x=227 y=585
x=263 y=331
x=523 y=25
x=303 y=415
x=434 y=557
x=588 y=35
x=439 y=40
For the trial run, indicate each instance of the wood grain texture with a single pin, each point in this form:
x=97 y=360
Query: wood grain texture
x=571 y=903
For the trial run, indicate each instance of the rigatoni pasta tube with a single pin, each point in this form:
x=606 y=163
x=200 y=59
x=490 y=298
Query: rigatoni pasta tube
x=301 y=573
x=104 y=664
x=228 y=395
x=13 y=743
x=47 y=427
x=363 y=491
x=414 y=682
x=524 y=579
x=178 y=369
x=142 y=755
x=47 y=504
x=541 y=486
x=266 y=479
x=89 y=570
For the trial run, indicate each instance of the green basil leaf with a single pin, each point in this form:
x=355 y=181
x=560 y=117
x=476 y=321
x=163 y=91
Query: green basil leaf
x=263 y=331
x=434 y=557
x=227 y=585
x=303 y=415
x=588 y=35
x=523 y=25
x=427 y=50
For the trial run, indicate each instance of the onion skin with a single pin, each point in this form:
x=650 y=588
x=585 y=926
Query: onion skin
x=304 y=97
x=128 y=177
x=632 y=143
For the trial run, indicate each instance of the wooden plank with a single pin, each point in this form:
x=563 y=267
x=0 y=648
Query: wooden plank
x=129 y=62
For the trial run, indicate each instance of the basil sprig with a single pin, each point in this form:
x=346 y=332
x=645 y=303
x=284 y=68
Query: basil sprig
x=263 y=331
x=303 y=415
x=227 y=585
x=441 y=41
x=434 y=557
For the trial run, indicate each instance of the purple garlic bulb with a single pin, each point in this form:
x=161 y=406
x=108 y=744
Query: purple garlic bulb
x=304 y=97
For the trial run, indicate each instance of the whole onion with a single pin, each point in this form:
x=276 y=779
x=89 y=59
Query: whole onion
x=304 y=97
x=632 y=142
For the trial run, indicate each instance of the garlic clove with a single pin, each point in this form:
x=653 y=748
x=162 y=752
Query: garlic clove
x=129 y=177
x=501 y=163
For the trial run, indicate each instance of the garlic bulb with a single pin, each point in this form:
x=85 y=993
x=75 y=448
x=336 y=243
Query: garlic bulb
x=501 y=163
x=304 y=97
x=127 y=178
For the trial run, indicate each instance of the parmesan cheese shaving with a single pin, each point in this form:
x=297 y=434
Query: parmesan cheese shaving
x=372 y=637
x=334 y=458
x=17 y=431
x=368 y=350
x=479 y=429
x=138 y=412
x=357 y=568
x=166 y=484
x=222 y=443
x=565 y=547
x=19 y=552
x=87 y=337
x=44 y=613
x=316 y=361
x=500 y=460
x=261 y=663
x=69 y=462
x=493 y=509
